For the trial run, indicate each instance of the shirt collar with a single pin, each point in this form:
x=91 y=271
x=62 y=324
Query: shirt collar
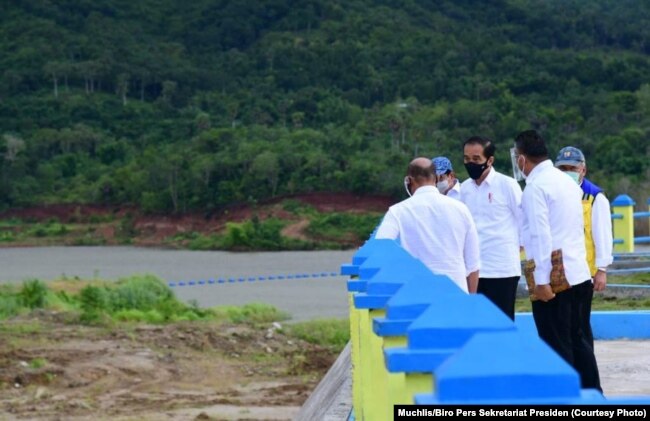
x=490 y=176
x=539 y=168
x=426 y=189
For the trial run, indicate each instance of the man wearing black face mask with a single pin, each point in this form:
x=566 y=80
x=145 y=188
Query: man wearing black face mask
x=494 y=200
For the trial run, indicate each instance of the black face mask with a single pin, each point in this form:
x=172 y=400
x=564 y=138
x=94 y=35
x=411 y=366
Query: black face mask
x=475 y=170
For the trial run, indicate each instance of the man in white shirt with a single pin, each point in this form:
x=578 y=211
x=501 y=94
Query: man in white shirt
x=447 y=183
x=494 y=200
x=553 y=220
x=434 y=228
x=598 y=221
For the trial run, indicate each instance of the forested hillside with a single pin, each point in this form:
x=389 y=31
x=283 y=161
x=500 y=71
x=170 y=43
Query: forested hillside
x=176 y=105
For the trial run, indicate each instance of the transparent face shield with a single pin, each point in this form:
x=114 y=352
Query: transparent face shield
x=516 y=173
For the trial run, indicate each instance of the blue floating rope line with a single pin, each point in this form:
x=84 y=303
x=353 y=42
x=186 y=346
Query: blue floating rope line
x=232 y=280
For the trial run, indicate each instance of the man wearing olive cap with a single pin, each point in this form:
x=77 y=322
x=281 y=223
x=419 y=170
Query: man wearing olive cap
x=598 y=223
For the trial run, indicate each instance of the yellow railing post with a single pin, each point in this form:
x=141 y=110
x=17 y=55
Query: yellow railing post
x=357 y=381
x=623 y=205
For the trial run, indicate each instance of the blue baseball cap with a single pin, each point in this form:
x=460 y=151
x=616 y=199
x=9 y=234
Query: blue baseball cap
x=442 y=165
x=570 y=156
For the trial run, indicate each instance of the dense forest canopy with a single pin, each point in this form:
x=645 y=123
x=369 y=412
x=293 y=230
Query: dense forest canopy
x=180 y=105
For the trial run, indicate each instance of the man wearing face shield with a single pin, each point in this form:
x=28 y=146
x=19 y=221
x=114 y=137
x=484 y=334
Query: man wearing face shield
x=434 y=228
x=447 y=184
x=494 y=201
x=598 y=221
x=557 y=269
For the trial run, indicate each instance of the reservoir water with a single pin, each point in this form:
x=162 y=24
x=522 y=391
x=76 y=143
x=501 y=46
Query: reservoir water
x=304 y=298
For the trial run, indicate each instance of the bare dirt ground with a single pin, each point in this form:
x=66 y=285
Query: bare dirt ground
x=153 y=230
x=50 y=370
x=296 y=230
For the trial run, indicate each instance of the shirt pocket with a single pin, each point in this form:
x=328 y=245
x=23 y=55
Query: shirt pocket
x=497 y=205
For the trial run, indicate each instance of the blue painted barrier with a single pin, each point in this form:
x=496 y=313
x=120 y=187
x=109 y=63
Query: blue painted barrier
x=409 y=303
x=473 y=351
x=442 y=329
x=631 y=286
x=361 y=255
x=627 y=271
x=635 y=255
x=605 y=324
x=507 y=367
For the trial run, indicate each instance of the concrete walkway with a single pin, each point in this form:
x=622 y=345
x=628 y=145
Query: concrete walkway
x=624 y=371
x=624 y=367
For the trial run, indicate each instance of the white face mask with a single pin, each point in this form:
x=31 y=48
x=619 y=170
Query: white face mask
x=406 y=186
x=521 y=170
x=443 y=185
x=574 y=175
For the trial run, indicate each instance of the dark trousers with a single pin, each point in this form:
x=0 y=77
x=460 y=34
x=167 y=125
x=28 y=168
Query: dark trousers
x=562 y=324
x=501 y=291
x=586 y=311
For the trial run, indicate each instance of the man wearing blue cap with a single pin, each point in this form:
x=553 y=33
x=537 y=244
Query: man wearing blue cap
x=598 y=221
x=447 y=182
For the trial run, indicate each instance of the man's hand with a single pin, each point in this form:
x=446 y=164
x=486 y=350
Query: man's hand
x=544 y=292
x=600 y=281
x=472 y=282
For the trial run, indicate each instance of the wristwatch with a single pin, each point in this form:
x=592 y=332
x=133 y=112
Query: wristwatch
x=602 y=270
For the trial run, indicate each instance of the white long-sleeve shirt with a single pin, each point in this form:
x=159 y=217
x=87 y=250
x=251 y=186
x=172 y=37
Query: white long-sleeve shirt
x=454 y=192
x=495 y=205
x=553 y=219
x=437 y=230
x=601 y=231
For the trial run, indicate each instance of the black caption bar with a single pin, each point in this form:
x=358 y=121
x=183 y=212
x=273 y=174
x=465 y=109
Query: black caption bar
x=411 y=412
